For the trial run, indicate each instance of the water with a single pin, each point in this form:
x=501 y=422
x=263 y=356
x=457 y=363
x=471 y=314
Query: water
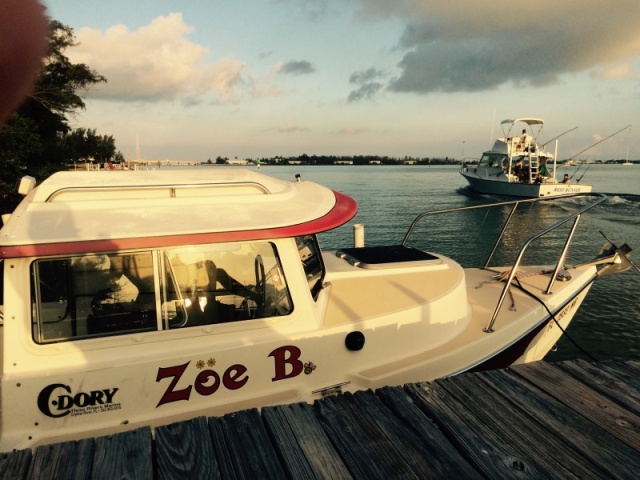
x=607 y=326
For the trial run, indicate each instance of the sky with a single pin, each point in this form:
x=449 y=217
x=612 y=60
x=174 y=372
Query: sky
x=194 y=80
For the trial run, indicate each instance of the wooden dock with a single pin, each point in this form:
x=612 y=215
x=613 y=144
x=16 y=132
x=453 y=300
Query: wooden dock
x=564 y=420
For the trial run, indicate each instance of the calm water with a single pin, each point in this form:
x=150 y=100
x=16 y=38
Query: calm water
x=607 y=325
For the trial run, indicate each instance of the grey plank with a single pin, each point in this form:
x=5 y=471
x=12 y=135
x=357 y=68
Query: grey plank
x=609 y=383
x=249 y=452
x=600 y=410
x=364 y=447
x=603 y=452
x=227 y=464
x=15 y=465
x=126 y=455
x=77 y=460
x=492 y=396
x=422 y=445
x=185 y=450
x=473 y=435
x=302 y=444
x=628 y=371
x=44 y=462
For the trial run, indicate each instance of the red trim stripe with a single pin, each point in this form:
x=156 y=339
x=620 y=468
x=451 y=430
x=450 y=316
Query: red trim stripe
x=344 y=210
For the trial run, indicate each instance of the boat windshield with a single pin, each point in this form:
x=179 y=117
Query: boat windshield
x=88 y=296
x=311 y=258
x=493 y=160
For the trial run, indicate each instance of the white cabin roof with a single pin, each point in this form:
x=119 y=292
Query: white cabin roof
x=528 y=121
x=136 y=209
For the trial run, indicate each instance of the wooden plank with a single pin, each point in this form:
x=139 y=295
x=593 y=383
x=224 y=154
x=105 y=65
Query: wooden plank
x=611 y=384
x=224 y=454
x=302 y=444
x=44 y=462
x=185 y=450
x=473 y=435
x=628 y=371
x=603 y=451
x=418 y=440
x=15 y=465
x=123 y=455
x=522 y=433
x=81 y=466
x=526 y=439
x=612 y=418
x=366 y=451
x=249 y=453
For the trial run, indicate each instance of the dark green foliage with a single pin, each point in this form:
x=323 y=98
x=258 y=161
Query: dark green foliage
x=37 y=140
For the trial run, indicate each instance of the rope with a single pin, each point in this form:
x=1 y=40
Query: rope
x=502 y=277
x=564 y=332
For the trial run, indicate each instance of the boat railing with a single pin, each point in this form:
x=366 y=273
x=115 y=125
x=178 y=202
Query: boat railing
x=575 y=216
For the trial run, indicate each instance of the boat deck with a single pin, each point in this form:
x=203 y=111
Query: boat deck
x=564 y=420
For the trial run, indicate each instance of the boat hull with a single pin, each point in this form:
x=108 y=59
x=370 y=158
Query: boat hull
x=216 y=375
x=513 y=189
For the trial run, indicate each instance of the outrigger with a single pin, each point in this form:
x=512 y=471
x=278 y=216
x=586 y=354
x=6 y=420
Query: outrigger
x=142 y=298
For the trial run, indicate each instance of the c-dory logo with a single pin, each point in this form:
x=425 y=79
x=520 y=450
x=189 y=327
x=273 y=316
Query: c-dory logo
x=58 y=400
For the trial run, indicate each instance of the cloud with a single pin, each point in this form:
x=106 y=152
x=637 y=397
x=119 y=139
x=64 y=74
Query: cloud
x=290 y=128
x=297 y=67
x=616 y=72
x=156 y=62
x=472 y=46
x=352 y=131
x=367 y=83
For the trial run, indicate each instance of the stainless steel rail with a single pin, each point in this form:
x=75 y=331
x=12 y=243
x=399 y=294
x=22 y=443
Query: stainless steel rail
x=575 y=216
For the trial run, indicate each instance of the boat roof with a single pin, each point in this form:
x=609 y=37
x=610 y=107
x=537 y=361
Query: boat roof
x=528 y=121
x=74 y=212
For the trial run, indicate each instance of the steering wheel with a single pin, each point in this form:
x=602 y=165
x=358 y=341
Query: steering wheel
x=261 y=291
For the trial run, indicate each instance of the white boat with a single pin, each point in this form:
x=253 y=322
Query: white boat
x=518 y=166
x=142 y=298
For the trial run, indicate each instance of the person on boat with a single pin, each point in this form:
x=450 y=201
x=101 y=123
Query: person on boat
x=517 y=170
x=538 y=178
x=524 y=175
x=566 y=178
x=525 y=140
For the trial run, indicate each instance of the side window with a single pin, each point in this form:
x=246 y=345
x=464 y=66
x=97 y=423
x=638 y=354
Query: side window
x=89 y=296
x=222 y=283
x=311 y=258
x=93 y=295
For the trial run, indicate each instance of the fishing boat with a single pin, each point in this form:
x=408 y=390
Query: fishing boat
x=519 y=166
x=140 y=298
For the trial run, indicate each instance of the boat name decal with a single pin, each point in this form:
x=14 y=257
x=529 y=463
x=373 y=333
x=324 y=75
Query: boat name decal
x=566 y=310
x=57 y=400
x=287 y=364
x=206 y=382
x=567 y=189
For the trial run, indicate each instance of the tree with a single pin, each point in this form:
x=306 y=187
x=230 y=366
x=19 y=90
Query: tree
x=84 y=145
x=40 y=123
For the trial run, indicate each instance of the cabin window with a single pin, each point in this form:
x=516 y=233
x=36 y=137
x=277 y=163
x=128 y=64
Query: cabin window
x=492 y=160
x=222 y=283
x=112 y=294
x=311 y=258
x=93 y=295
